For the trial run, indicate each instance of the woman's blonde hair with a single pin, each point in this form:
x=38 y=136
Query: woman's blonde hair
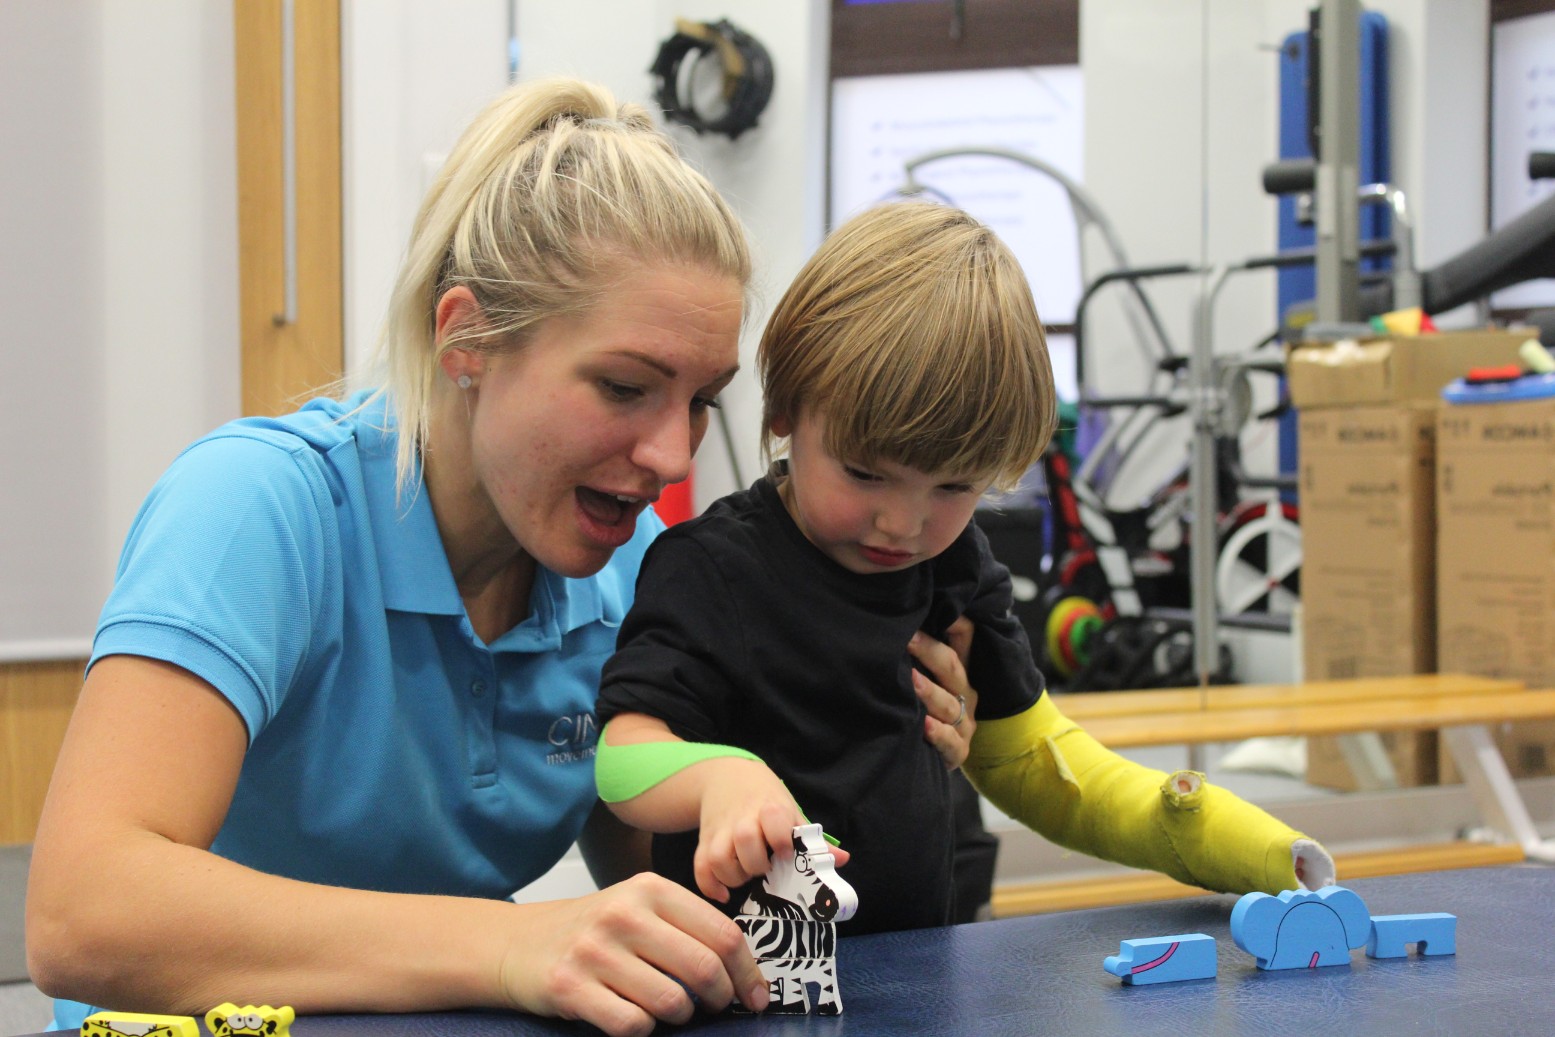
x=553 y=188
x=914 y=332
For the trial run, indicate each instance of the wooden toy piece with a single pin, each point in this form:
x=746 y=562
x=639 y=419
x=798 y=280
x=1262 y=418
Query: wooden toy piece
x=804 y=884
x=135 y=1024
x=789 y=921
x=1301 y=929
x=228 y=1020
x=1164 y=959
x=1432 y=934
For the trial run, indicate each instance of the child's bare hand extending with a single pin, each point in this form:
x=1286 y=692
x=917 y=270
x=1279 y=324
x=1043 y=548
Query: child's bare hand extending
x=743 y=809
x=746 y=813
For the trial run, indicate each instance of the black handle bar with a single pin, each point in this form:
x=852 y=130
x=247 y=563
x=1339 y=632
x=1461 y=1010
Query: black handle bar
x=1290 y=176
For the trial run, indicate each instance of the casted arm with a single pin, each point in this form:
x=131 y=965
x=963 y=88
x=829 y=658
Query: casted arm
x=1044 y=770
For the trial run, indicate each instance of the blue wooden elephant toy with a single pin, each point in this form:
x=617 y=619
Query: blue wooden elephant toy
x=1301 y=929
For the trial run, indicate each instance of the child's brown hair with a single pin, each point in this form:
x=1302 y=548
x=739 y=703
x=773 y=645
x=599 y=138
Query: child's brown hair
x=913 y=330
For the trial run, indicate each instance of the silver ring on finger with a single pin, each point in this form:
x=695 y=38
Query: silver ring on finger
x=961 y=715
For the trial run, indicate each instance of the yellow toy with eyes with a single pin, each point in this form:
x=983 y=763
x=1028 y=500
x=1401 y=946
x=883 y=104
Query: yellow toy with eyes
x=132 y=1024
x=228 y=1020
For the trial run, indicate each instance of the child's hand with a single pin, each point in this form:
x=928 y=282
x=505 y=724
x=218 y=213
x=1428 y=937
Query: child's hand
x=951 y=704
x=747 y=812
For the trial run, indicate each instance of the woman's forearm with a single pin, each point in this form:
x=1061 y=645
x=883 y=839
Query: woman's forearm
x=170 y=929
x=149 y=925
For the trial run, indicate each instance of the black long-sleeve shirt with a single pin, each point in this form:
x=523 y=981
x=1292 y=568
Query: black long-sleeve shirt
x=744 y=633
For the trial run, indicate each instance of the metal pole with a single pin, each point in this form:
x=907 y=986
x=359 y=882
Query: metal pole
x=1338 y=162
x=1202 y=485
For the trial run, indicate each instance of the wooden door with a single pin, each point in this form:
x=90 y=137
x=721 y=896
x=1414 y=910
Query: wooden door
x=289 y=205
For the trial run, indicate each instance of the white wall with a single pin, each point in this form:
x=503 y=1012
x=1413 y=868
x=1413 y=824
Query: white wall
x=52 y=360
x=118 y=286
x=412 y=75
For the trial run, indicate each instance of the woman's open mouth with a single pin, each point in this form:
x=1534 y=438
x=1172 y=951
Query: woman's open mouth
x=609 y=518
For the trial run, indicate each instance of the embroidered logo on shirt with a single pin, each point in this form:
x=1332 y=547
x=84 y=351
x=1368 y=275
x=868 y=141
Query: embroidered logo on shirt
x=574 y=736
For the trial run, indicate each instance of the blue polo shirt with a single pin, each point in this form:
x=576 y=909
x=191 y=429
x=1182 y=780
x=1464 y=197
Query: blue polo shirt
x=389 y=747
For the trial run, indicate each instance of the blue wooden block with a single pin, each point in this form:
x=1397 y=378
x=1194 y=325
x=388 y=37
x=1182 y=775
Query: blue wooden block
x=1164 y=959
x=1301 y=929
x=1432 y=934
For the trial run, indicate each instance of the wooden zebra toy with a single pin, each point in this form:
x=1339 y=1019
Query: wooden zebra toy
x=790 y=923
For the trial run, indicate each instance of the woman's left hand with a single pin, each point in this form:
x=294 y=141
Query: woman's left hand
x=950 y=702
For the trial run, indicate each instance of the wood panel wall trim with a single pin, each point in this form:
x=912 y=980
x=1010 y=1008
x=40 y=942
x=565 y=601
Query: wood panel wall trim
x=284 y=363
x=36 y=699
x=883 y=39
x=1506 y=10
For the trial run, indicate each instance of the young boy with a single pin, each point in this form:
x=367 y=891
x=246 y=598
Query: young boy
x=763 y=676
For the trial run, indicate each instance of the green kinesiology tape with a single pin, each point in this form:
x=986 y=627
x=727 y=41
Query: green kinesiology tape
x=625 y=771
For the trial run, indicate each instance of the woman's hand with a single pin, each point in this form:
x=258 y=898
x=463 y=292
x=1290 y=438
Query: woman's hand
x=618 y=958
x=951 y=703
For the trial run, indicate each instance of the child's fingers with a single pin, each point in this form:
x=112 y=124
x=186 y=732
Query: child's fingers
x=750 y=850
x=737 y=856
x=705 y=873
x=777 y=826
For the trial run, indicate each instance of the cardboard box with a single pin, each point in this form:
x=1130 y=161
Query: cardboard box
x=1368 y=484
x=1496 y=557
x=1394 y=370
x=1368 y=541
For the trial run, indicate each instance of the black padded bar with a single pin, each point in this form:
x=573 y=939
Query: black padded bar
x=1289 y=176
x=1521 y=250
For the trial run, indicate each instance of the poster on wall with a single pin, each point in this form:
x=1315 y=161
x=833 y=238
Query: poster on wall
x=880 y=123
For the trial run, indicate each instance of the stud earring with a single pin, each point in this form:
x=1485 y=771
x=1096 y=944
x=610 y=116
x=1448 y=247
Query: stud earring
x=463 y=381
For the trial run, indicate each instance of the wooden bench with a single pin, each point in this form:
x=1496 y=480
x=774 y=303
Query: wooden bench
x=1459 y=706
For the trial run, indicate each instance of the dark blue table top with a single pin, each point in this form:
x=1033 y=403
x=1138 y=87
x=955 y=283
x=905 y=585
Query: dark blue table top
x=1043 y=975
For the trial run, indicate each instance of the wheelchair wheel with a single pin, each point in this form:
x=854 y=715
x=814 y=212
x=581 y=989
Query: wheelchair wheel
x=1259 y=568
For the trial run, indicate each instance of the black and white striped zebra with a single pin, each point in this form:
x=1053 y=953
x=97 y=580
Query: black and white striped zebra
x=789 y=921
x=804 y=885
x=789 y=980
x=793 y=954
x=788 y=937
